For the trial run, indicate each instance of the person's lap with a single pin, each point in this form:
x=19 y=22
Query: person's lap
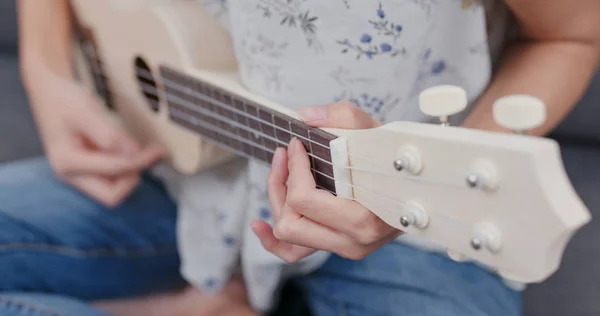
x=59 y=250
x=400 y=280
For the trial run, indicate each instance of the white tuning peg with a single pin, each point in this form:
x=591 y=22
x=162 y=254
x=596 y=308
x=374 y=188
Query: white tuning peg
x=443 y=101
x=519 y=112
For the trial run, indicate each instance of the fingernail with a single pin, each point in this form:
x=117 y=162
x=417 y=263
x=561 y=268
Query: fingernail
x=292 y=146
x=313 y=113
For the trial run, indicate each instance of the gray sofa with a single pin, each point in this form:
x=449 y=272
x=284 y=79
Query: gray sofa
x=573 y=291
x=18 y=136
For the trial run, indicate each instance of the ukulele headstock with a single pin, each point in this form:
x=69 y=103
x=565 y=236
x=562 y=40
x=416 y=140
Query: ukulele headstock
x=501 y=199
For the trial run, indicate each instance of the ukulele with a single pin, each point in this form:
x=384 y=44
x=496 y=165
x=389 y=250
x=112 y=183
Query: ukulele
x=167 y=71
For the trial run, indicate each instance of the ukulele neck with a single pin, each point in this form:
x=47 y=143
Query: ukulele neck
x=242 y=126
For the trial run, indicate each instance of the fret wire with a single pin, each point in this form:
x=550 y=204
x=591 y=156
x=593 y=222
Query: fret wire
x=262 y=133
x=192 y=107
x=237 y=130
x=248 y=124
x=312 y=153
x=238 y=118
x=194 y=121
x=274 y=131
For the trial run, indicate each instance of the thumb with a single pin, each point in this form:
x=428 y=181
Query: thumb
x=342 y=114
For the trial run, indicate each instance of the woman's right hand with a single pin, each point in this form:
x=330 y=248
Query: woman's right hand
x=84 y=147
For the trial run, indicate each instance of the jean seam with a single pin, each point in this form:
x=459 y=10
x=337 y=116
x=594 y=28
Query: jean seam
x=30 y=306
x=99 y=252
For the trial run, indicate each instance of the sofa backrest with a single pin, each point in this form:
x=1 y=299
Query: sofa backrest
x=8 y=26
x=583 y=123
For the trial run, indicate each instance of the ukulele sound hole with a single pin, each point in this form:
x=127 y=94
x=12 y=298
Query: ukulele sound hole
x=147 y=84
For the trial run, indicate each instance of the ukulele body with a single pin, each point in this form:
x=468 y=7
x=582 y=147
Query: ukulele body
x=117 y=51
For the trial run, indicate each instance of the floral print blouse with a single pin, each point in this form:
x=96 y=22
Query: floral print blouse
x=377 y=54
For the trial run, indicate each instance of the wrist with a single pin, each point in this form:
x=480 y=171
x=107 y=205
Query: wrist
x=37 y=70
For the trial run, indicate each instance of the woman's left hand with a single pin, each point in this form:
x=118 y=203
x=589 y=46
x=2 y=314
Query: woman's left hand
x=308 y=219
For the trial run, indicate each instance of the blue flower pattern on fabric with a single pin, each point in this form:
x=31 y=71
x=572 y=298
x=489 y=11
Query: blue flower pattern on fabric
x=290 y=14
x=383 y=28
x=431 y=67
x=436 y=67
x=373 y=105
x=265 y=214
x=229 y=241
x=211 y=283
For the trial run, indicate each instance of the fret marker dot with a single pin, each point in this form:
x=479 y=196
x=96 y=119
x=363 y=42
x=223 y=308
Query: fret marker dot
x=256 y=135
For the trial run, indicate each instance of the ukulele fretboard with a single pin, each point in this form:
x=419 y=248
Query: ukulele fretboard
x=242 y=126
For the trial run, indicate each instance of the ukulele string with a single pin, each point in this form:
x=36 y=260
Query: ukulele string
x=211 y=100
x=379 y=196
x=146 y=75
x=192 y=107
x=149 y=89
x=358 y=188
x=241 y=153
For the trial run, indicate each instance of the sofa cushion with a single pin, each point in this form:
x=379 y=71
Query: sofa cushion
x=16 y=124
x=583 y=122
x=573 y=289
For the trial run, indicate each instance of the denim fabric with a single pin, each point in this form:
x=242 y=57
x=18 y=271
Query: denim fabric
x=400 y=280
x=56 y=240
x=59 y=250
x=44 y=305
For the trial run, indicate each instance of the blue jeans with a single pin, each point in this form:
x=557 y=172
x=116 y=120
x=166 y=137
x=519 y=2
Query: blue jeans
x=59 y=250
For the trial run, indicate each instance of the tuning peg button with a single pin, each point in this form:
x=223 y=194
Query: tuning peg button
x=443 y=101
x=519 y=112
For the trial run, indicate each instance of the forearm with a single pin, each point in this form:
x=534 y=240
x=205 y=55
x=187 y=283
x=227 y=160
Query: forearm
x=557 y=72
x=45 y=40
